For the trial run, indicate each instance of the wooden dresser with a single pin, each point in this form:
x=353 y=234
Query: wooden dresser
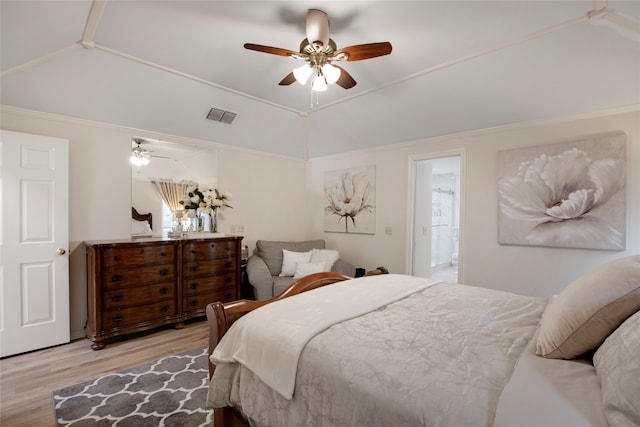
x=136 y=285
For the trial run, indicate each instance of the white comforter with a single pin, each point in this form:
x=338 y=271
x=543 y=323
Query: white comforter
x=269 y=341
x=439 y=357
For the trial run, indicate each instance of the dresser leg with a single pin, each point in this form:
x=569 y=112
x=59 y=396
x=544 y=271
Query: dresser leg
x=179 y=325
x=97 y=345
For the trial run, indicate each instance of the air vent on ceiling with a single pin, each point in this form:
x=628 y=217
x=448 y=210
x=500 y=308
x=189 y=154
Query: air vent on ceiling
x=218 y=115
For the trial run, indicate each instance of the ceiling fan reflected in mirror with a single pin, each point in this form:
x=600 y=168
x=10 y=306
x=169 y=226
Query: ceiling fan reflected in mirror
x=140 y=156
x=320 y=54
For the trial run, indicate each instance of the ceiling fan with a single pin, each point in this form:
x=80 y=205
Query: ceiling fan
x=320 y=53
x=140 y=156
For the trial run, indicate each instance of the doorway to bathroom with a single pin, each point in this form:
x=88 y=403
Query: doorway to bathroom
x=436 y=199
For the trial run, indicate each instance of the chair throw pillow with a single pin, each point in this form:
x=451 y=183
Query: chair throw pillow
x=327 y=256
x=291 y=259
x=581 y=317
x=304 y=269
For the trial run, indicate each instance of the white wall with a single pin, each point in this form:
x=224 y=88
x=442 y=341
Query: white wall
x=533 y=271
x=281 y=198
x=268 y=190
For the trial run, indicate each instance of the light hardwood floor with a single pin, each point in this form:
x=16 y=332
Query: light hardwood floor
x=28 y=380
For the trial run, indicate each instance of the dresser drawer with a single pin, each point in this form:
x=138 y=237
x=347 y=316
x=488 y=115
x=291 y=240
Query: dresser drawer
x=198 y=285
x=134 y=276
x=209 y=267
x=200 y=301
x=209 y=250
x=138 y=295
x=138 y=255
x=142 y=313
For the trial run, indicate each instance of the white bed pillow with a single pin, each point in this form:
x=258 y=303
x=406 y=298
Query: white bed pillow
x=140 y=228
x=617 y=363
x=589 y=309
x=291 y=259
x=306 y=268
x=328 y=256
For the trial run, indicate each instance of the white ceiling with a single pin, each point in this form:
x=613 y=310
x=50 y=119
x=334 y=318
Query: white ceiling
x=456 y=66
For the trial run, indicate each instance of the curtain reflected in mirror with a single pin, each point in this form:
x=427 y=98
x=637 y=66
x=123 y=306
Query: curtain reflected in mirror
x=171 y=192
x=158 y=186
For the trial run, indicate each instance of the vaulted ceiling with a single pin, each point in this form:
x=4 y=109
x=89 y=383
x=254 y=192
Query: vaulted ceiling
x=456 y=66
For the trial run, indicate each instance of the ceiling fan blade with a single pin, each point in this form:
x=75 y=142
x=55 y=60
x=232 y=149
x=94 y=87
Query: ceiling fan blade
x=271 y=50
x=365 y=51
x=345 y=80
x=288 y=79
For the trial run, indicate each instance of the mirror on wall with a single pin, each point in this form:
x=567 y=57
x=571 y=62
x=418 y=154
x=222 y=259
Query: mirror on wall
x=168 y=161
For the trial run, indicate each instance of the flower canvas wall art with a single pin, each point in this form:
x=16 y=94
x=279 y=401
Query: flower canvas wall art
x=570 y=194
x=350 y=200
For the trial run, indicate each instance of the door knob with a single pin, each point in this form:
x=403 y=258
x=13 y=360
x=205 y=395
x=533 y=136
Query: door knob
x=61 y=251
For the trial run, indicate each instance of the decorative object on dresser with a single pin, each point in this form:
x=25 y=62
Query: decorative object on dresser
x=202 y=204
x=136 y=285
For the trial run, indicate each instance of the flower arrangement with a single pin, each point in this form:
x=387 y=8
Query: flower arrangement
x=205 y=199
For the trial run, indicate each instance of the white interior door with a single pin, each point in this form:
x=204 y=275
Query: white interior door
x=34 y=260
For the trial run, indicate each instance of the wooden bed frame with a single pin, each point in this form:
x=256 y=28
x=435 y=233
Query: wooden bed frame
x=221 y=316
x=142 y=217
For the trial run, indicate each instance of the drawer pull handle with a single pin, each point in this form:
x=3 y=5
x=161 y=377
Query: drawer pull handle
x=163 y=254
x=141 y=250
x=116 y=258
x=228 y=248
x=193 y=251
x=193 y=268
x=118 y=318
x=227 y=296
x=164 y=308
x=193 y=286
x=116 y=278
x=163 y=291
x=116 y=298
x=193 y=302
x=228 y=264
x=164 y=272
x=227 y=280
x=213 y=245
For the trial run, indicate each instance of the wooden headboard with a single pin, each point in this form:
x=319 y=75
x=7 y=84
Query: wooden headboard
x=142 y=217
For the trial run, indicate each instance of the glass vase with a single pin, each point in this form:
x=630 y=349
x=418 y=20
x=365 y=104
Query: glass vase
x=214 y=220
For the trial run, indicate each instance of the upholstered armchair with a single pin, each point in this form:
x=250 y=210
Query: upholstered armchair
x=275 y=265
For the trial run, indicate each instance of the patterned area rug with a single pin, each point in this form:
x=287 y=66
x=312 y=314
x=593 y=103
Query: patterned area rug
x=168 y=392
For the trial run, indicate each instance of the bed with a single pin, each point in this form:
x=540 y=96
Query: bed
x=141 y=224
x=396 y=350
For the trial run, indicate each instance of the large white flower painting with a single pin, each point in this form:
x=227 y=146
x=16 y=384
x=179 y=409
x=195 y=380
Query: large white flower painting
x=350 y=200
x=570 y=194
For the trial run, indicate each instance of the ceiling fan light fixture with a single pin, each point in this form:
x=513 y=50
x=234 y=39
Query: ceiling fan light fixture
x=138 y=160
x=319 y=83
x=331 y=73
x=302 y=74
